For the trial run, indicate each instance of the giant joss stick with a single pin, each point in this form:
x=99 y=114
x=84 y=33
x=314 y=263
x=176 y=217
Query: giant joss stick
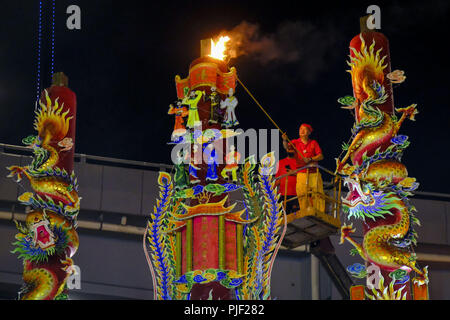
x=200 y=246
x=48 y=239
x=378 y=181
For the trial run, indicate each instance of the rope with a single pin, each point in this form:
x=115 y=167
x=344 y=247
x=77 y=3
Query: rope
x=259 y=105
x=268 y=116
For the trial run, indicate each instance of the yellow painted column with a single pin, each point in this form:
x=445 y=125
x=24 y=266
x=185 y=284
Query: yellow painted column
x=189 y=227
x=239 y=248
x=178 y=253
x=222 y=242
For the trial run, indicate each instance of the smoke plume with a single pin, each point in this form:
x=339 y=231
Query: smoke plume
x=301 y=45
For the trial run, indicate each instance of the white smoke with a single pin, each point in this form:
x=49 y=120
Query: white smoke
x=300 y=44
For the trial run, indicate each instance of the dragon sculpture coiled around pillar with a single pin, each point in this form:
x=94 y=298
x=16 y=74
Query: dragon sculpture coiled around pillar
x=48 y=239
x=378 y=182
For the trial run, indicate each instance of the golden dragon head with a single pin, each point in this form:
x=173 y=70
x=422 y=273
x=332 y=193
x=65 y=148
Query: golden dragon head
x=366 y=68
x=50 y=122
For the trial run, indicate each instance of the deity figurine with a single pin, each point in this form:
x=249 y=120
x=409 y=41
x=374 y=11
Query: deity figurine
x=230 y=104
x=180 y=112
x=214 y=97
x=232 y=159
x=193 y=169
x=181 y=177
x=211 y=160
x=192 y=101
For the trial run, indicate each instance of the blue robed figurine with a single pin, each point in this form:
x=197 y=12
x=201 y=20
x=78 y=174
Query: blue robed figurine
x=211 y=160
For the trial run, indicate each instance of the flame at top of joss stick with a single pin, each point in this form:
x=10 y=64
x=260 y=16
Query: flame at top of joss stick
x=218 y=48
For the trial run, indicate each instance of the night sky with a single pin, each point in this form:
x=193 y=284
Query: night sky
x=123 y=61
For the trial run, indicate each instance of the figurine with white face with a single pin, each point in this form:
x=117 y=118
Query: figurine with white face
x=229 y=104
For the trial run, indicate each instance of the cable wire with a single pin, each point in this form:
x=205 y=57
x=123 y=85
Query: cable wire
x=38 y=72
x=53 y=41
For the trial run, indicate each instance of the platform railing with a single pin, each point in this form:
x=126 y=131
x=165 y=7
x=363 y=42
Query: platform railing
x=332 y=189
x=84 y=158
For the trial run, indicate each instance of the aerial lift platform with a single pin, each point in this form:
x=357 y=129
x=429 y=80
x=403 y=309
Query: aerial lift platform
x=311 y=227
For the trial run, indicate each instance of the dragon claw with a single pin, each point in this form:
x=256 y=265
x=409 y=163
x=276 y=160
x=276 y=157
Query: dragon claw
x=346 y=230
x=15 y=171
x=423 y=278
x=67 y=265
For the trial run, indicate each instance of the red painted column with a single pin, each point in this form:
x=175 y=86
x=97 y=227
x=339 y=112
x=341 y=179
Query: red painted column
x=205 y=72
x=382 y=49
x=66 y=97
x=361 y=80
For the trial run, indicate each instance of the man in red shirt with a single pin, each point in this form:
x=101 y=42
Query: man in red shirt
x=287 y=185
x=308 y=179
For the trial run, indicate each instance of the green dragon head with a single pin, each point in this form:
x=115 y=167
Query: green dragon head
x=363 y=201
x=40 y=237
x=30 y=140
